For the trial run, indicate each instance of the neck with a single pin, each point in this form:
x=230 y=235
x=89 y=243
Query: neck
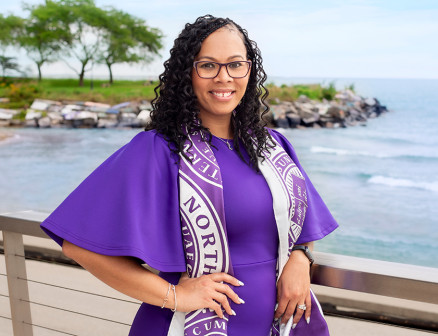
x=220 y=126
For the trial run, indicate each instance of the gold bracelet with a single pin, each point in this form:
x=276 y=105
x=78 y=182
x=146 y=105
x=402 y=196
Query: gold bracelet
x=166 y=298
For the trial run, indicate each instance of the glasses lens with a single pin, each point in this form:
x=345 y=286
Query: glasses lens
x=207 y=69
x=237 y=69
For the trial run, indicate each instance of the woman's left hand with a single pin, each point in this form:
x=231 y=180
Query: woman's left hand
x=293 y=289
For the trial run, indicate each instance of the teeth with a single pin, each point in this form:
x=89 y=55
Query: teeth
x=222 y=94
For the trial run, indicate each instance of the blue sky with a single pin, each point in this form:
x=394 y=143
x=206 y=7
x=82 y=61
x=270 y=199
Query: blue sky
x=321 y=39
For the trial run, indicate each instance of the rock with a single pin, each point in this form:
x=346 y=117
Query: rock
x=303 y=99
x=96 y=107
x=43 y=104
x=16 y=122
x=31 y=123
x=55 y=118
x=145 y=105
x=322 y=108
x=278 y=111
x=311 y=120
x=85 y=119
x=106 y=123
x=43 y=122
x=7 y=114
x=31 y=114
x=144 y=116
x=281 y=122
x=370 y=101
x=336 y=112
x=293 y=119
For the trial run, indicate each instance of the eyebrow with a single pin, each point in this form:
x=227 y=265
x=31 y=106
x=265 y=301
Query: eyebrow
x=229 y=58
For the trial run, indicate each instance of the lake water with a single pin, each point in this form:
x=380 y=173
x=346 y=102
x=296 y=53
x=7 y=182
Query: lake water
x=379 y=181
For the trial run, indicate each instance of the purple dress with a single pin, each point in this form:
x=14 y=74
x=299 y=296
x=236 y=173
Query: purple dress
x=129 y=206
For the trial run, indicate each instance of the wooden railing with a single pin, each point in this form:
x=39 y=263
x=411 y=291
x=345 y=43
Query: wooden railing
x=356 y=274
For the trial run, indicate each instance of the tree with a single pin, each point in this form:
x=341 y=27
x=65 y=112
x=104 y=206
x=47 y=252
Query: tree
x=86 y=27
x=8 y=63
x=127 y=39
x=44 y=34
x=9 y=30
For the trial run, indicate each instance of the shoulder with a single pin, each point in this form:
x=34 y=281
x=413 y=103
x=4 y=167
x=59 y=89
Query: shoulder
x=149 y=139
x=149 y=143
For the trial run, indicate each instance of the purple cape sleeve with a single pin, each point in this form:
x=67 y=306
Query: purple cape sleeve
x=319 y=222
x=127 y=207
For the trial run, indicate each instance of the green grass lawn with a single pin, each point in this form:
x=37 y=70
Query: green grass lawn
x=22 y=92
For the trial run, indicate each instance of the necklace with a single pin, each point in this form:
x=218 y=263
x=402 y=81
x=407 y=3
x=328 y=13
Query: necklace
x=226 y=142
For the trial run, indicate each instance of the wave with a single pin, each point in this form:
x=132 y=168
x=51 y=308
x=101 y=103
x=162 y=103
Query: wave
x=345 y=152
x=404 y=183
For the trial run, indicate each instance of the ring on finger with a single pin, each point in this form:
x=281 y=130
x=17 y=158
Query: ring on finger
x=302 y=306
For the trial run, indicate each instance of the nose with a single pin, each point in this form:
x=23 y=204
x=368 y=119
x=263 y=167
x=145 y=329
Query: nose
x=223 y=75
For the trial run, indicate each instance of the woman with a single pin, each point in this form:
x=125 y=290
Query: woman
x=207 y=196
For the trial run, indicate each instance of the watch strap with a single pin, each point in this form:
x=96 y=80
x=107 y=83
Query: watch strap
x=306 y=251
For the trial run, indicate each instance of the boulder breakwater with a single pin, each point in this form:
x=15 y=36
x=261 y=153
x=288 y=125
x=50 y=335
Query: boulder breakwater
x=346 y=109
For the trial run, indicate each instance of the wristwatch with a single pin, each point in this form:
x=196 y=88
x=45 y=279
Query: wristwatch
x=306 y=251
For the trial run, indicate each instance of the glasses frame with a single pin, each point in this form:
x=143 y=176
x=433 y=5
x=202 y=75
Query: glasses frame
x=195 y=65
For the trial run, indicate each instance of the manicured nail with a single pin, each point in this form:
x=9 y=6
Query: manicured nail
x=308 y=320
x=276 y=306
x=294 y=325
x=241 y=301
x=283 y=325
x=240 y=283
x=233 y=312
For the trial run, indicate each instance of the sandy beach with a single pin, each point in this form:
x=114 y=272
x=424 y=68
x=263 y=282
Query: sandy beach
x=5 y=135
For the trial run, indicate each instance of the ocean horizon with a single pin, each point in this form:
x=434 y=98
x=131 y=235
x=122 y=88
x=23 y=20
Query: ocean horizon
x=380 y=181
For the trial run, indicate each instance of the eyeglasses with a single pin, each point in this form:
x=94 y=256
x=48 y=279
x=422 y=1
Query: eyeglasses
x=208 y=69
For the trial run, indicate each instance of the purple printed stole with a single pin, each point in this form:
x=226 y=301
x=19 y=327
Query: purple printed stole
x=204 y=229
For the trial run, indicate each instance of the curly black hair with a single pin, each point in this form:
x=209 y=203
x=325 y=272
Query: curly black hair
x=175 y=103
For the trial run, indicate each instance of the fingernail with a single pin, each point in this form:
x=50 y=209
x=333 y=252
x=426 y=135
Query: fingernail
x=240 y=283
x=233 y=312
x=276 y=306
x=308 y=320
x=294 y=325
x=241 y=301
x=283 y=325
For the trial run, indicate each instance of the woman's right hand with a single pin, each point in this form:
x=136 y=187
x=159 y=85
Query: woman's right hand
x=207 y=291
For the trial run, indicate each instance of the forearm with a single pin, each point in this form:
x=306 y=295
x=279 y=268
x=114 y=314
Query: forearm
x=123 y=274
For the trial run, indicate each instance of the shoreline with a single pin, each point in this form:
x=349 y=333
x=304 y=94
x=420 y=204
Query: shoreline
x=5 y=135
x=346 y=109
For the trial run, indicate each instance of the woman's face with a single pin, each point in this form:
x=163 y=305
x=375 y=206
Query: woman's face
x=219 y=96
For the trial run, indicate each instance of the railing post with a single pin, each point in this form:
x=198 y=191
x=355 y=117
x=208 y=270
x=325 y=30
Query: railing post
x=18 y=290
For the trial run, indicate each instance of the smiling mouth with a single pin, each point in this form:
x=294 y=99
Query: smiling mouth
x=222 y=94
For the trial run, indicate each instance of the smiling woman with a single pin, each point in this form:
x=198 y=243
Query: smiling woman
x=207 y=196
x=220 y=87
